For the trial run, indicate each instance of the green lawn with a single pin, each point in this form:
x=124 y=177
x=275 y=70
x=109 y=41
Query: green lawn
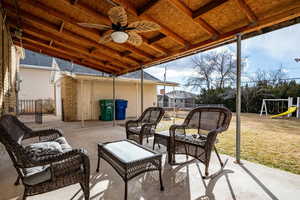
x=271 y=142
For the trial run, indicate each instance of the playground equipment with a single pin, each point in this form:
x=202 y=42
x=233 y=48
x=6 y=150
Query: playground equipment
x=291 y=107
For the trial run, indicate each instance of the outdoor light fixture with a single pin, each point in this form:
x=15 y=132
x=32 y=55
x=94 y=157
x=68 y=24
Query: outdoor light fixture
x=119 y=36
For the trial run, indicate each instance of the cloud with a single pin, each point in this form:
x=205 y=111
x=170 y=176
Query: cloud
x=279 y=45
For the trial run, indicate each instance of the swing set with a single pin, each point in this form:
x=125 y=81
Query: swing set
x=280 y=109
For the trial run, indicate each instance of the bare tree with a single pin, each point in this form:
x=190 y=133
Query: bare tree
x=276 y=76
x=212 y=69
x=204 y=69
x=224 y=66
x=269 y=77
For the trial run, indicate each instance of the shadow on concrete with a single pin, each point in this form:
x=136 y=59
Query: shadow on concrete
x=265 y=189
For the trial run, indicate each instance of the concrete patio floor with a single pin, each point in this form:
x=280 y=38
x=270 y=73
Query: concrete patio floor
x=247 y=181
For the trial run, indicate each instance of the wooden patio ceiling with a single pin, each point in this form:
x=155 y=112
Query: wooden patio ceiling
x=187 y=26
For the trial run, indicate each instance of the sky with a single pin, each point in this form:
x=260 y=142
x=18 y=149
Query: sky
x=266 y=52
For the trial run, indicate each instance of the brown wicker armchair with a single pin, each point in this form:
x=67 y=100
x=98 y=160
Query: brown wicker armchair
x=197 y=135
x=43 y=173
x=144 y=126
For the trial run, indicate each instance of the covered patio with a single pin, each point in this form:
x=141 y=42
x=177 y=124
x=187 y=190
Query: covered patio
x=247 y=181
x=186 y=28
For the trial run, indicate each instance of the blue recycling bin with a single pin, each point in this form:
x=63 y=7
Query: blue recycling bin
x=121 y=106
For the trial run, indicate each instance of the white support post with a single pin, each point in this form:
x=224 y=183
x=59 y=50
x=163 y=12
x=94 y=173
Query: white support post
x=142 y=89
x=114 y=100
x=174 y=108
x=137 y=99
x=290 y=103
x=298 y=107
x=238 y=97
x=82 y=105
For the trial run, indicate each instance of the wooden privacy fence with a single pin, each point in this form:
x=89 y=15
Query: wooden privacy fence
x=28 y=106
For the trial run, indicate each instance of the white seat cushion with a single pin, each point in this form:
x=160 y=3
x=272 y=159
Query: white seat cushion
x=64 y=144
x=36 y=175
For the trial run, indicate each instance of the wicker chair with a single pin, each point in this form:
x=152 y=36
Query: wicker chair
x=144 y=126
x=43 y=173
x=197 y=135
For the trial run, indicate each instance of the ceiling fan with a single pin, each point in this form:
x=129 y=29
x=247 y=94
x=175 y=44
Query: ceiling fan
x=120 y=31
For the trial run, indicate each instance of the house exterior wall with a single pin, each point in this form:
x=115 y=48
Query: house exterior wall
x=9 y=58
x=92 y=91
x=69 y=98
x=35 y=84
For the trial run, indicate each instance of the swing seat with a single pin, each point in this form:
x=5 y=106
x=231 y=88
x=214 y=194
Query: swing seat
x=289 y=111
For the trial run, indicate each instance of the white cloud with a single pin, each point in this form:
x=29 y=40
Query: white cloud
x=281 y=44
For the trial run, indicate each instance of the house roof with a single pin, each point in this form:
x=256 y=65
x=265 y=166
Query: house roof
x=37 y=60
x=186 y=27
x=180 y=94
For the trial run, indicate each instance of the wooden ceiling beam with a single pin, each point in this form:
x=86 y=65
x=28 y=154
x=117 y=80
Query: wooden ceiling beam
x=155 y=47
x=156 y=38
x=146 y=7
x=86 y=9
x=163 y=29
x=72 y=45
x=90 y=11
x=204 y=9
x=53 y=53
x=188 y=12
x=247 y=10
x=68 y=34
x=92 y=35
x=64 y=50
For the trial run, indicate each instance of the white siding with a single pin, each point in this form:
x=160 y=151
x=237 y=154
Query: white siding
x=35 y=84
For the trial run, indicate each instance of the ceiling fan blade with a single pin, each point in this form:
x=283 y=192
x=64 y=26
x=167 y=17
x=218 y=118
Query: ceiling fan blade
x=97 y=26
x=144 y=26
x=106 y=37
x=118 y=15
x=134 y=38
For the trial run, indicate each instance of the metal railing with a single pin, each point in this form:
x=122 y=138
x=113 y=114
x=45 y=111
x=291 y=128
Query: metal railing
x=28 y=106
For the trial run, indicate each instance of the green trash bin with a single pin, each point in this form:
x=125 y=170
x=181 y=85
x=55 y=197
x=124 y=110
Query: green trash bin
x=106 y=109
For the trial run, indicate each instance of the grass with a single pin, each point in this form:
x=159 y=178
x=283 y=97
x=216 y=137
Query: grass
x=271 y=142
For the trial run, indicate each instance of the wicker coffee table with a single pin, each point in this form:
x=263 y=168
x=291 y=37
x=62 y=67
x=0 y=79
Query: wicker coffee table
x=163 y=138
x=130 y=159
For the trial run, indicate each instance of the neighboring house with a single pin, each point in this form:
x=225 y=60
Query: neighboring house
x=35 y=75
x=177 y=98
x=77 y=89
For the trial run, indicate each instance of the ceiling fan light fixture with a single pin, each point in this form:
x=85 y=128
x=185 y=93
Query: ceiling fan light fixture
x=119 y=36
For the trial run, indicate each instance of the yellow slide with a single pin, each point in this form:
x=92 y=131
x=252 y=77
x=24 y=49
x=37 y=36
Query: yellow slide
x=290 y=110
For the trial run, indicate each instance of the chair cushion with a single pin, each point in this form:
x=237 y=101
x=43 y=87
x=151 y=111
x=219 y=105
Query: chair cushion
x=190 y=139
x=64 y=144
x=36 y=175
x=39 y=174
x=137 y=130
x=59 y=145
x=44 y=148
